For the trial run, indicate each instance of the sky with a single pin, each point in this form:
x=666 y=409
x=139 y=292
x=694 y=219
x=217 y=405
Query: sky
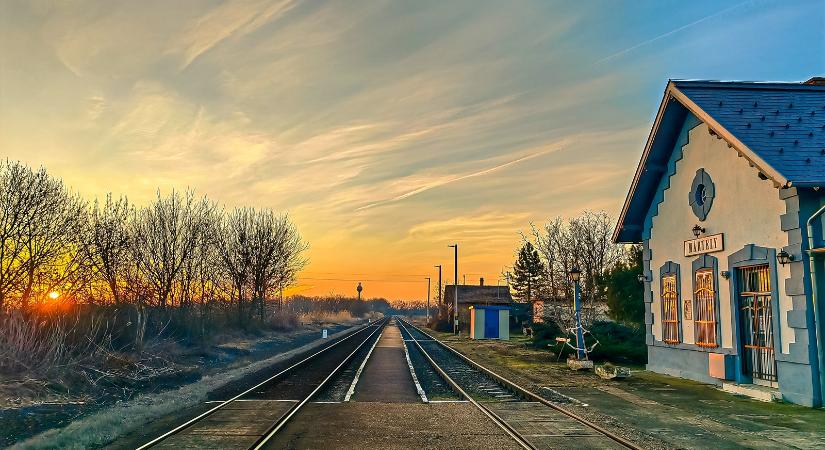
x=387 y=130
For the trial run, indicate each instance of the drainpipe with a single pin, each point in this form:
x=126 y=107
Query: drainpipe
x=817 y=325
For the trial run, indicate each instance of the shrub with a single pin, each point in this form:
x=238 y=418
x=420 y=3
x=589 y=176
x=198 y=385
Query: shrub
x=618 y=343
x=545 y=334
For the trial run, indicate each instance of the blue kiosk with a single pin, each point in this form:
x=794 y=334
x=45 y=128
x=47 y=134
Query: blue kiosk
x=490 y=322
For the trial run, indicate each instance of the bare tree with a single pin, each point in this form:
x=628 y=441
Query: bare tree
x=165 y=237
x=583 y=242
x=41 y=223
x=106 y=248
x=236 y=253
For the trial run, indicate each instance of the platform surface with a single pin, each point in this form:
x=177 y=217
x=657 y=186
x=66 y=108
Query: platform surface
x=386 y=376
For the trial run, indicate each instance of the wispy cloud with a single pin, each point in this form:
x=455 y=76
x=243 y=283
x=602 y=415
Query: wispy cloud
x=670 y=33
x=234 y=18
x=448 y=180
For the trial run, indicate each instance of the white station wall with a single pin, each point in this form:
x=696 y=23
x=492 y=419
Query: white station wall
x=746 y=209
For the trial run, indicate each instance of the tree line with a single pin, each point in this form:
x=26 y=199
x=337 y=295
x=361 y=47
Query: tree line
x=608 y=280
x=180 y=251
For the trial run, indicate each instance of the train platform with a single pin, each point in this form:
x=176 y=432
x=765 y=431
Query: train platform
x=386 y=377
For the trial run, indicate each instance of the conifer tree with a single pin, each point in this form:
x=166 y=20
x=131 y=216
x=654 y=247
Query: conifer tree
x=528 y=273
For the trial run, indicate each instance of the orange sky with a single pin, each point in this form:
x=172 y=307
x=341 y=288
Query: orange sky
x=387 y=130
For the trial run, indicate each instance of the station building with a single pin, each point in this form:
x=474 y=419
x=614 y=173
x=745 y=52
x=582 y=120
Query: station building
x=728 y=204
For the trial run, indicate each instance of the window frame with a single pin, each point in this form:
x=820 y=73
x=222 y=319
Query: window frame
x=705 y=308
x=671 y=325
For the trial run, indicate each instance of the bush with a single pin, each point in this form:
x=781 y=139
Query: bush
x=618 y=343
x=545 y=334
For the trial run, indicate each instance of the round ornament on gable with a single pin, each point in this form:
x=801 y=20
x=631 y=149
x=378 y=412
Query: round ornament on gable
x=702 y=192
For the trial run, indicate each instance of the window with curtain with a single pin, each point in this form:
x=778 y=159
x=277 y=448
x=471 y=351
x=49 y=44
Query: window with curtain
x=705 y=299
x=670 y=309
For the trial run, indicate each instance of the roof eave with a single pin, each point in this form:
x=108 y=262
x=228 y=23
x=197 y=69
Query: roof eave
x=640 y=168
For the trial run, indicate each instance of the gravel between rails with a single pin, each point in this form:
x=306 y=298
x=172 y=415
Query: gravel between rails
x=479 y=385
x=301 y=381
x=435 y=387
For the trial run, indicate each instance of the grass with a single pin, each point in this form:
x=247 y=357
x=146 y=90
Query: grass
x=103 y=427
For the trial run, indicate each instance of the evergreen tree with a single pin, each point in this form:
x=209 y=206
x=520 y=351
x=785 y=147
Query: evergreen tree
x=624 y=292
x=528 y=273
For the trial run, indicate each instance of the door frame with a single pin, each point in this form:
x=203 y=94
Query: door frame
x=753 y=255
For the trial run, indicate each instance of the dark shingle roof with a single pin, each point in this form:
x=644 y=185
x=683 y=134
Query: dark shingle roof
x=493 y=295
x=783 y=123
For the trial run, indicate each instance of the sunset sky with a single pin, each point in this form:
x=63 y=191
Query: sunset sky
x=387 y=129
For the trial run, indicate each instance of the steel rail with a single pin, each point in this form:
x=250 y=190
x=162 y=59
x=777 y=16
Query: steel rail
x=526 y=393
x=281 y=422
x=211 y=411
x=489 y=413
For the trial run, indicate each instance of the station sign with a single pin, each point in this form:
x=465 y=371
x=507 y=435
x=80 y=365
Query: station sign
x=705 y=244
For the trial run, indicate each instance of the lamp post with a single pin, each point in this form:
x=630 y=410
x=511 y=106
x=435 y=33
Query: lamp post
x=455 y=303
x=428 y=301
x=575 y=275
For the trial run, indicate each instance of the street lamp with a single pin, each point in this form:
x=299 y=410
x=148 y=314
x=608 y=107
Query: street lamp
x=697 y=231
x=784 y=257
x=575 y=276
x=455 y=303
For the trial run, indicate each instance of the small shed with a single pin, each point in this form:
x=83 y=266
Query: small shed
x=490 y=322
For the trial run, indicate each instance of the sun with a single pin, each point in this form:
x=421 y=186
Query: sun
x=53 y=295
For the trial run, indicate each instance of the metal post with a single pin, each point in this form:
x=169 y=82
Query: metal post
x=428 y=300
x=579 y=335
x=439 y=284
x=455 y=303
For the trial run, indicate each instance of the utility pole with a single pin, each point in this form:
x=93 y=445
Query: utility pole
x=465 y=279
x=455 y=304
x=439 y=284
x=428 y=300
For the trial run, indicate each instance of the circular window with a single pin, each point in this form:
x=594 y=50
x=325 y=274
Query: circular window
x=699 y=194
x=702 y=192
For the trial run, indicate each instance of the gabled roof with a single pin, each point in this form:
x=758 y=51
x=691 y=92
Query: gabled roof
x=778 y=127
x=492 y=295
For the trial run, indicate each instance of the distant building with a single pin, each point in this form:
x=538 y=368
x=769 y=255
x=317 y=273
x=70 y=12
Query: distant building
x=480 y=295
x=727 y=203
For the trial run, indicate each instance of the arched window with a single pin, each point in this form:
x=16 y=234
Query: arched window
x=704 y=296
x=670 y=309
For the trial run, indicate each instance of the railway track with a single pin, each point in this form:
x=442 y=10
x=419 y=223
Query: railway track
x=532 y=421
x=253 y=417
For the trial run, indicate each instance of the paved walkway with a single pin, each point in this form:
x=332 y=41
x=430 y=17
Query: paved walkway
x=386 y=377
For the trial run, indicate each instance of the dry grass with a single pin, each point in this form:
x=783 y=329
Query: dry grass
x=105 y=426
x=327 y=317
x=39 y=345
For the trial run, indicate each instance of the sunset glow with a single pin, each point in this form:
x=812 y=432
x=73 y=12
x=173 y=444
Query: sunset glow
x=387 y=130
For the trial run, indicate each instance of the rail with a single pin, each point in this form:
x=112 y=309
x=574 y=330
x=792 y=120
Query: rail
x=275 y=377
x=523 y=391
